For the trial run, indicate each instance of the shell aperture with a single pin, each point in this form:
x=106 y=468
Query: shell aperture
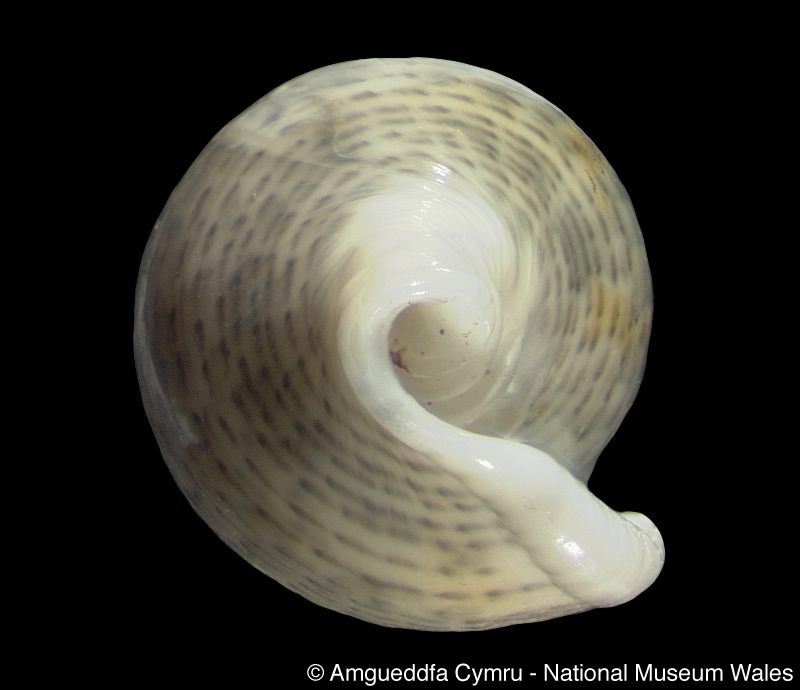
x=384 y=327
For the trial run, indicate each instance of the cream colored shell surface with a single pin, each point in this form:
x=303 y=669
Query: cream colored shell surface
x=384 y=327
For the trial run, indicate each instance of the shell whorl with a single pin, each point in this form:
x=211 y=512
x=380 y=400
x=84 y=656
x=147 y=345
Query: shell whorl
x=384 y=327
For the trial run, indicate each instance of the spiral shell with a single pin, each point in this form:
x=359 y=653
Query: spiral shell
x=384 y=327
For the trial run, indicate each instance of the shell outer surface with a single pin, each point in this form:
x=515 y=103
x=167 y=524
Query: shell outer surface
x=384 y=327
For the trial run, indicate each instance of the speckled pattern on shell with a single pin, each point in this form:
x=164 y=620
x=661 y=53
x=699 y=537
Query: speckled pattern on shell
x=238 y=337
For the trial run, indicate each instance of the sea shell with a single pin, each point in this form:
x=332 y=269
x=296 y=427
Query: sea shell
x=384 y=327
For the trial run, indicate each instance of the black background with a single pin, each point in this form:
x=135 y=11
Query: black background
x=697 y=453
